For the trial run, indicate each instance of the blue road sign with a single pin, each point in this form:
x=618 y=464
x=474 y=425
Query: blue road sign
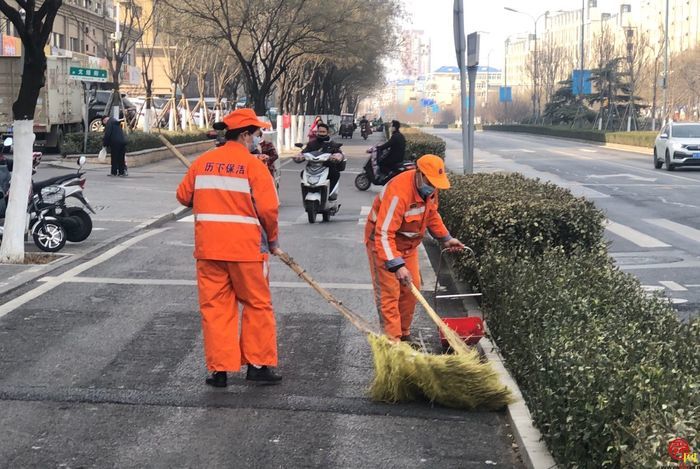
x=581 y=82
x=505 y=94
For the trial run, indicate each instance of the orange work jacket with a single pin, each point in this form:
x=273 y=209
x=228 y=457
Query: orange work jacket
x=235 y=205
x=399 y=218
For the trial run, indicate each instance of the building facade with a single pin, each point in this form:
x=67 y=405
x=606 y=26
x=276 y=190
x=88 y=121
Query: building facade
x=83 y=30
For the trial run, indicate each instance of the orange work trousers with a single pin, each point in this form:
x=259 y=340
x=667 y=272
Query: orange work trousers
x=395 y=302
x=222 y=286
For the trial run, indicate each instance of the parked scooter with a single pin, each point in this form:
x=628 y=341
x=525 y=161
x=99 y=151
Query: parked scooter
x=75 y=219
x=316 y=192
x=372 y=175
x=47 y=232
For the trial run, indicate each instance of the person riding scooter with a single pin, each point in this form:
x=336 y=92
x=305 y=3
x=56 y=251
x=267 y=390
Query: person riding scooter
x=323 y=141
x=394 y=150
x=365 y=129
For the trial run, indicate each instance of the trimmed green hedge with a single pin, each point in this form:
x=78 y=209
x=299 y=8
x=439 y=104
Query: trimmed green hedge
x=73 y=143
x=419 y=143
x=609 y=373
x=640 y=138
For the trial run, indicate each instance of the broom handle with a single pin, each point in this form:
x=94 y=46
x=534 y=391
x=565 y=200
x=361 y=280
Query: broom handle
x=354 y=318
x=446 y=331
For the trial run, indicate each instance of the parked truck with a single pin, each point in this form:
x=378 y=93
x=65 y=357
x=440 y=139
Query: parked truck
x=59 y=109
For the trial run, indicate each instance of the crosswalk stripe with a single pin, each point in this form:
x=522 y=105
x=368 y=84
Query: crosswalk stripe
x=673 y=286
x=683 y=230
x=634 y=236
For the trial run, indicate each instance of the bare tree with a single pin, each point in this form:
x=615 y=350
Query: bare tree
x=34 y=23
x=267 y=36
x=178 y=53
x=225 y=74
x=133 y=22
x=146 y=48
x=555 y=64
x=685 y=86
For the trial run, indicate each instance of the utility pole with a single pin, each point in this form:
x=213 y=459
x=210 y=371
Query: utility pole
x=665 y=80
x=505 y=74
x=460 y=49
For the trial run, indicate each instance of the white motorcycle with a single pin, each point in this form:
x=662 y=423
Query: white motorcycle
x=316 y=191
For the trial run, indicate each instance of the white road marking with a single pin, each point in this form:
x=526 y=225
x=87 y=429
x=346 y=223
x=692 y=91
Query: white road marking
x=187 y=219
x=634 y=236
x=364 y=211
x=622 y=175
x=652 y=288
x=524 y=150
x=190 y=283
x=588 y=151
x=673 y=286
x=683 y=230
x=50 y=285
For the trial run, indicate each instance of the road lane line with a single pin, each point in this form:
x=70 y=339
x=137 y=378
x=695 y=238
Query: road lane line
x=683 y=230
x=634 y=236
x=524 y=150
x=673 y=286
x=588 y=150
x=189 y=283
x=50 y=285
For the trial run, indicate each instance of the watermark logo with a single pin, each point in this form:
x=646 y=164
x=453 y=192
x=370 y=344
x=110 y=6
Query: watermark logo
x=680 y=451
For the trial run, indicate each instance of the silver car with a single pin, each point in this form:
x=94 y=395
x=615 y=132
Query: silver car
x=678 y=144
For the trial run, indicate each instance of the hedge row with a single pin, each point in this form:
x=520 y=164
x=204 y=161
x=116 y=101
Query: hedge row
x=419 y=143
x=609 y=373
x=73 y=143
x=640 y=138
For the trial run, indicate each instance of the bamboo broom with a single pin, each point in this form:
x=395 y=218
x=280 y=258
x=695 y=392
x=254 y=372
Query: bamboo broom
x=403 y=374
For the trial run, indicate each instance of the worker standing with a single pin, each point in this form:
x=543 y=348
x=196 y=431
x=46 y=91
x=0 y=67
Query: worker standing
x=396 y=225
x=235 y=207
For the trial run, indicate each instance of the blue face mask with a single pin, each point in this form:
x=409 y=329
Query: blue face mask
x=426 y=190
x=256 y=141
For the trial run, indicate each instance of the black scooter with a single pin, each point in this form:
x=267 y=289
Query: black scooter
x=371 y=175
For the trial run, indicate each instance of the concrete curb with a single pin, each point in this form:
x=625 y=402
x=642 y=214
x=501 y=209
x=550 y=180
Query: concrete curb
x=34 y=273
x=532 y=447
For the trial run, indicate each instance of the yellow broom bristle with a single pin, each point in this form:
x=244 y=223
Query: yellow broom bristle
x=459 y=380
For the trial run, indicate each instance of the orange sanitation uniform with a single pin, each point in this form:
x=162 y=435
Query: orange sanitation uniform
x=395 y=228
x=235 y=209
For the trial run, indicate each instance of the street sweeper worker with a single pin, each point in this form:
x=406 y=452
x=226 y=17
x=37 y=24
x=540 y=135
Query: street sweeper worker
x=235 y=205
x=396 y=225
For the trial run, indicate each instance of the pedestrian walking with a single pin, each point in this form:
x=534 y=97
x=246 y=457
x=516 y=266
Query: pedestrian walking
x=235 y=207
x=396 y=225
x=115 y=140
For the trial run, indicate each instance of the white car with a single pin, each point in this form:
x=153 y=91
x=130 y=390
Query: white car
x=678 y=144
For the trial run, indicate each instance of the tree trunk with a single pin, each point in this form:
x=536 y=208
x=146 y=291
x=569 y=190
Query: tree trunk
x=149 y=97
x=33 y=73
x=12 y=248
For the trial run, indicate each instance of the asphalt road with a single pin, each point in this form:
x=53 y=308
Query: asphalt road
x=654 y=215
x=101 y=363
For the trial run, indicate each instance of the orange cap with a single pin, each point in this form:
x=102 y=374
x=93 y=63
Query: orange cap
x=433 y=167
x=241 y=118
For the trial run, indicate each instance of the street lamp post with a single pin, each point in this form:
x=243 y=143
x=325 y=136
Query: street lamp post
x=535 y=94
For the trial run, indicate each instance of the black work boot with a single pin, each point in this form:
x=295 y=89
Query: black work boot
x=409 y=339
x=264 y=374
x=217 y=379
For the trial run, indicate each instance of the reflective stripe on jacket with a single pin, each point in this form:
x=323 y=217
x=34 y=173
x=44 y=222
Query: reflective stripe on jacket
x=235 y=205
x=399 y=218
